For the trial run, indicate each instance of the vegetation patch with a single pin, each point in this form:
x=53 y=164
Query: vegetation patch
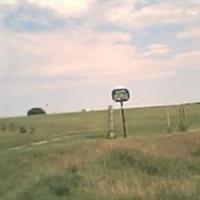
x=13 y=127
x=22 y=129
x=196 y=153
x=170 y=194
x=151 y=165
x=3 y=127
x=58 y=186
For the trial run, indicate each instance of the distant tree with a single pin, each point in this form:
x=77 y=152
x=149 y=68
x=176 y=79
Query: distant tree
x=36 y=111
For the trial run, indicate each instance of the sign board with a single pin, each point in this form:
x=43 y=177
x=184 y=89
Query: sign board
x=120 y=95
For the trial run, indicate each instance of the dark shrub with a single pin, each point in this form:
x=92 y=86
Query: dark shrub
x=22 y=129
x=3 y=127
x=36 y=111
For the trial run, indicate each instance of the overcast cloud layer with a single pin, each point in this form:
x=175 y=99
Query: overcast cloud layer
x=69 y=54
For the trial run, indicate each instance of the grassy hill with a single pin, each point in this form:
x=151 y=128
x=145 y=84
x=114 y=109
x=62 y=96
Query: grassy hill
x=67 y=156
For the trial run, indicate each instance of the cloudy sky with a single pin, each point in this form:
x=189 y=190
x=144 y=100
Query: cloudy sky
x=65 y=55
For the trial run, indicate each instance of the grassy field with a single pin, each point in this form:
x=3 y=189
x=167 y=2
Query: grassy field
x=67 y=156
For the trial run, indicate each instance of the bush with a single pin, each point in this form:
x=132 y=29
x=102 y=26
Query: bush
x=3 y=127
x=22 y=129
x=36 y=111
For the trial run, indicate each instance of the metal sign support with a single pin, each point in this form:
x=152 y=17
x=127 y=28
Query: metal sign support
x=123 y=119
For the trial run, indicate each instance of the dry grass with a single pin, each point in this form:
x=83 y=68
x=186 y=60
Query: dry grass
x=171 y=145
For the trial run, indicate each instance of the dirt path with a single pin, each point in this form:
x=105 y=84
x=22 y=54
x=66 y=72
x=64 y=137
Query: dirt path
x=40 y=142
x=57 y=139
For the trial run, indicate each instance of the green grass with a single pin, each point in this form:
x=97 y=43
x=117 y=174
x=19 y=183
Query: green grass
x=93 y=124
x=76 y=161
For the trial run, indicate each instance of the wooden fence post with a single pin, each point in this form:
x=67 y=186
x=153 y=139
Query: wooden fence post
x=111 y=133
x=169 y=128
x=182 y=119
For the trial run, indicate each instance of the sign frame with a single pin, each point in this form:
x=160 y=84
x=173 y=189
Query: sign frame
x=120 y=95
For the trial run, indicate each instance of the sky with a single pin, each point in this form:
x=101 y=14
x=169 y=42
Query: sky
x=68 y=55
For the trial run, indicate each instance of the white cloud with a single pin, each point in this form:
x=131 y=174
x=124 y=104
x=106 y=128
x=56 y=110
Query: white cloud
x=89 y=57
x=62 y=7
x=188 y=59
x=127 y=16
x=193 y=32
x=157 y=50
x=103 y=57
x=9 y=1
